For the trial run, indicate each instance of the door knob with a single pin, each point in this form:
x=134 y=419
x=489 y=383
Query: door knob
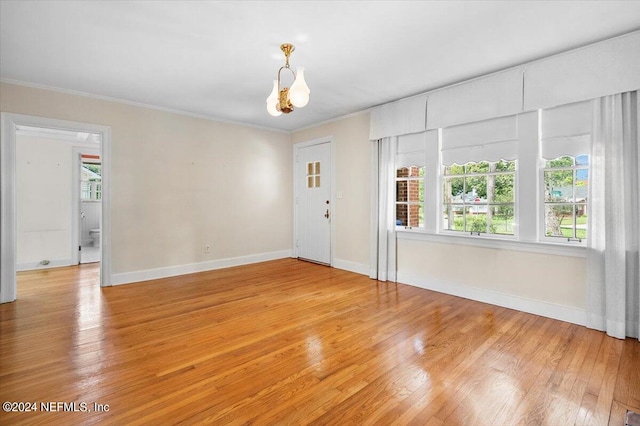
x=327 y=214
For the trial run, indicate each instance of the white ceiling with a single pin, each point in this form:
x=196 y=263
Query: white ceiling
x=218 y=59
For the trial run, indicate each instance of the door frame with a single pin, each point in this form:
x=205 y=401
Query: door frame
x=296 y=188
x=8 y=207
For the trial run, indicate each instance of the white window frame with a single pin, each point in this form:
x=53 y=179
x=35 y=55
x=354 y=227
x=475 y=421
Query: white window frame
x=542 y=203
x=445 y=231
x=409 y=203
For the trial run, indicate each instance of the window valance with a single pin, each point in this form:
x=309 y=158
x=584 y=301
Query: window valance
x=488 y=140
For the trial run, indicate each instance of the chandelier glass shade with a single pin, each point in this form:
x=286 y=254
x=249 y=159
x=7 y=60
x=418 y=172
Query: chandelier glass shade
x=283 y=100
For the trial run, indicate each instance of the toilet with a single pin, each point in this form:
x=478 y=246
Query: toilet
x=95 y=235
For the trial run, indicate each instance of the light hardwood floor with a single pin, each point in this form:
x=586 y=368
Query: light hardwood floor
x=290 y=342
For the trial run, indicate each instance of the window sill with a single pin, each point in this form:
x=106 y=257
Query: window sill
x=495 y=243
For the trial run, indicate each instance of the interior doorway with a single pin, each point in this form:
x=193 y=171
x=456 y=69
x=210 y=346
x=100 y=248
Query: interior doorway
x=52 y=183
x=89 y=205
x=13 y=126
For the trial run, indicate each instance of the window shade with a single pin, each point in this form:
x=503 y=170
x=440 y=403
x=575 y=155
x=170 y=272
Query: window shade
x=497 y=95
x=411 y=150
x=398 y=118
x=566 y=130
x=489 y=140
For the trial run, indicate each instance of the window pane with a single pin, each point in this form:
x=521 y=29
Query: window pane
x=500 y=188
x=402 y=191
x=558 y=186
x=454 y=169
x=505 y=166
x=581 y=221
x=476 y=188
x=476 y=223
x=453 y=218
x=581 y=190
x=501 y=219
x=559 y=220
x=402 y=216
x=481 y=167
x=413 y=189
x=415 y=216
x=560 y=162
x=453 y=189
x=582 y=160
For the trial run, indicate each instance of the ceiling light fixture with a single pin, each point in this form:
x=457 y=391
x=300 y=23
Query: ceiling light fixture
x=283 y=100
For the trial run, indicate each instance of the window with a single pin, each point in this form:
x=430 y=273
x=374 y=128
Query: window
x=91 y=184
x=479 y=197
x=410 y=197
x=564 y=146
x=313 y=174
x=410 y=177
x=566 y=185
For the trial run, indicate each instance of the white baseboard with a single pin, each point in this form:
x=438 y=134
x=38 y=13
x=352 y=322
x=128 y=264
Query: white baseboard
x=532 y=306
x=31 y=266
x=347 y=265
x=172 y=271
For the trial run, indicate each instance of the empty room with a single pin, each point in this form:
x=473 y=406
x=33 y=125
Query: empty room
x=313 y=212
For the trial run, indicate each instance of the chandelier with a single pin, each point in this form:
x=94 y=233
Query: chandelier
x=283 y=100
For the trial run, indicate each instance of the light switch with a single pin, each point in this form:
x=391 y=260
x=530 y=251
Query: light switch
x=339 y=195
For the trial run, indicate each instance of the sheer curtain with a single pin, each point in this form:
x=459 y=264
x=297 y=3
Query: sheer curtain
x=613 y=277
x=383 y=242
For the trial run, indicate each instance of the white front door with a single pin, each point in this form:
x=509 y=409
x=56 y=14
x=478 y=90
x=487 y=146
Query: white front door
x=313 y=174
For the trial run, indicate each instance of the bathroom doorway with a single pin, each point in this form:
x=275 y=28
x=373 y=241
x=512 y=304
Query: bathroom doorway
x=90 y=204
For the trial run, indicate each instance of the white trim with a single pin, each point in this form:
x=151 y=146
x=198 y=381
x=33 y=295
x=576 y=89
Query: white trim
x=136 y=104
x=172 y=271
x=55 y=263
x=347 y=265
x=331 y=141
x=8 y=228
x=532 y=306
x=495 y=243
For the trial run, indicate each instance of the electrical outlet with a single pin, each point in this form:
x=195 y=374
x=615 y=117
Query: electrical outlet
x=207 y=248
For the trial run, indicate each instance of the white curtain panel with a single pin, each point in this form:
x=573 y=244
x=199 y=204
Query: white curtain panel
x=383 y=242
x=613 y=278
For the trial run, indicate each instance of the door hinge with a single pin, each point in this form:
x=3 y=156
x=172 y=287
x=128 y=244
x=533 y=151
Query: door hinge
x=79 y=248
x=297 y=243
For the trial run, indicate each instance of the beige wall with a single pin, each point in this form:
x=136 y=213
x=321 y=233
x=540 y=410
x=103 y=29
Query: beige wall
x=352 y=175
x=543 y=277
x=180 y=182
